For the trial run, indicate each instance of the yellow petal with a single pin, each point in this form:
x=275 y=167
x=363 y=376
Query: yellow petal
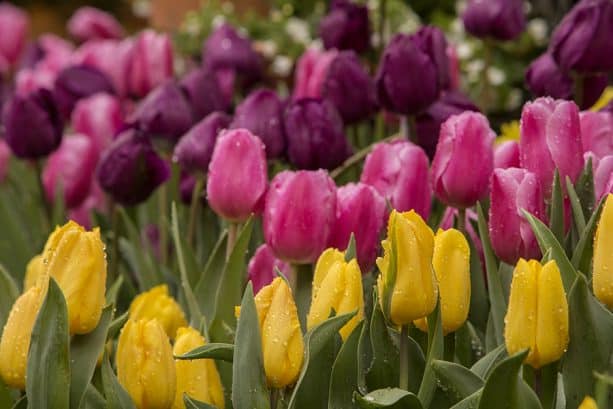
x=325 y=262
x=588 y=403
x=156 y=303
x=34 y=270
x=602 y=280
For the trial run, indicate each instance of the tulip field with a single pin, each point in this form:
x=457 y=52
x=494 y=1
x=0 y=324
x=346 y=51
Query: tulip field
x=312 y=204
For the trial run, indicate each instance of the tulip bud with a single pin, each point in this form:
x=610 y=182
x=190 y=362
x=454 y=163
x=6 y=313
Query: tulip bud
x=470 y=217
x=203 y=92
x=199 y=378
x=151 y=62
x=408 y=250
x=90 y=23
x=262 y=114
x=32 y=124
x=464 y=160
x=501 y=19
x=100 y=117
x=602 y=279
x=603 y=176
x=299 y=215
x=588 y=403
x=506 y=155
x=262 y=267
x=315 y=135
x=282 y=345
x=545 y=78
x=346 y=27
x=77 y=82
x=399 y=171
x=14 y=25
x=451 y=262
x=237 y=175
x=311 y=70
x=130 y=169
x=337 y=285
x=597 y=132
x=537 y=316
x=15 y=341
x=145 y=365
x=157 y=304
x=34 y=270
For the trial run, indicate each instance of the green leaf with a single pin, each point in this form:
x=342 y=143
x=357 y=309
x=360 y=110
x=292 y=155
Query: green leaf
x=582 y=255
x=84 y=352
x=392 y=398
x=209 y=281
x=479 y=304
x=556 y=210
x=575 y=204
x=48 y=359
x=21 y=403
x=344 y=378
x=113 y=292
x=92 y=399
x=484 y=367
x=384 y=368
x=470 y=402
x=116 y=396
x=455 y=380
x=223 y=352
x=249 y=388
x=435 y=351
x=191 y=403
x=6 y=397
x=468 y=345
x=585 y=187
x=117 y=324
x=8 y=294
x=364 y=357
x=350 y=252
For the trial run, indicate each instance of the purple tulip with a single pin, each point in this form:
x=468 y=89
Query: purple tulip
x=164 y=113
x=32 y=124
x=237 y=176
x=90 y=23
x=5 y=158
x=203 y=92
x=262 y=113
x=187 y=183
x=413 y=71
x=311 y=70
x=514 y=189
x=130 y=169
x=500 y=19
x=551 y=138
x=77 y=82
x=70 y=168
x=299 y=215
x=583 y=39
x=151 y=63
x=346 y=27
x=360 y=210
x=603 y=176
x=14 y=25
x=100 y=117
x=506 y=155
x=194 y=150
x=545 y=78
x=597 y=132
x=261 y=268
x=315 y=136
x=398 y=170
x=464 y=160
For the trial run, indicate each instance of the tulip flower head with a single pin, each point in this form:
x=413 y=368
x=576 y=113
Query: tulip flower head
x=203 y=92
x=90 y=23
x=500 y=19
x=34 y=270
x=157 y=304
x=346 y=27
x=262 y=267
x=151 y=62
x=14 y=25
x=602 y=279
x=588 y=403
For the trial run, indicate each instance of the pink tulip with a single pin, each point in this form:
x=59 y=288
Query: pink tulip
x=311 y=71
x=5 y=157
x=29 y=80
x=360 y=210
x=506 y=155
x=454 y=67
x=399 y=172
x=57 y=53
x=463 y=161
x=299 y=215
x=597 y=132
x=514 y=189
x=551 y=138
x=152 y=62
x=603 y=174
x=14 y=25
x=95 y=201
x=262 y=266
x=100 y=117
x=237 y=176
x=90 y=23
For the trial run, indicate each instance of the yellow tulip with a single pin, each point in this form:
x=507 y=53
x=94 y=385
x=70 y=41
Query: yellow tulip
x=451 y=261
x=409 y=291
x=282 y=345
x=588 y=403
x=336 y=285
x=156 y=303
x=15 y=341
x=145 y=365
x=537 y=316
x=34 y=270
x=602 y=280
x=198 y=378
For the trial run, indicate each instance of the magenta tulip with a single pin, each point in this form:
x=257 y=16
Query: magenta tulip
x=311 y=71
x=90 y=23
x=603 y=175
x=152 y=62
x=95 y=201
x=506 y=155
x=299 y=215
x=14 y=25
x=100 y=117
x=597 y=132
x=464 y=160
x=261 y=268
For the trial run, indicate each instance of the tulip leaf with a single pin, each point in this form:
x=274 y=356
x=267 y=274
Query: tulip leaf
x=249 y=388
x=435 y=351
x=583 y=253
x=116 y=396
x=483 y=368
x=22 y=403
x=49 y=356
x=365 y=353
x=113 y=292
x=455 y=380
x=556 y=209
x=92 y=399
x=344 y=378
x=311 y=390
x=223 y=352
x=84 y=352
x=585 y=187
x=392 y=398
x=575 y=204
x=208 y=284
x=191 y=403
x=479 y=305
x=468 y=345
x=350 y=252
x=590 y=342
x=117 y=324
x=470 y=402
x=8 y=294
x=384 y=369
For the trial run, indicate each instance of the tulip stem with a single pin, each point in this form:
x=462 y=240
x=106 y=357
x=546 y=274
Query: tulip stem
x=485 y=96
x=403 y=381
x=274 y=398
x=114 y=243
x=303 y=274
x=356 y=158
x=579 y=89
x=163 y=212
x=449 y=347
x=461 y=220
x=546 y=385
x=193 y=209
x=48 y=218
x=411 y=128
x=232 y=232
x=382 y=16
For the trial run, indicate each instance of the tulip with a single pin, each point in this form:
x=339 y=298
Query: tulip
x=55 y=53
x=5 y=159
x=464 y=160
x=262 y=114
x=346 y=27
x=410 y=292
x=582 y=40
x=315 y=136
x=603 y=176
x=588 y=403
x=299 y=215
x=95 y=201
x=151 y=62
x=597 y=132
x=545 y=78
x=413 y=71
x=506 y=155
x=75 y=258
x=451 y=262
x=195 y=149
x=399 y=172
x=311 y=70
x=470 y=218
x=337 y=286
x=199 y=378
x=236 y=194
x=602 y=279
x=90 y=23
x=262 y=267
x=34 y=270
x=360 y=210
x=203 y=92
x=32 y=124
x=282 y=346
x=550 y=139
x=15 y=341
x=145 y=365
x=14 y=25
x=157 y=304
x=77 y=82
x=501 y=19
x=130 y=169
x=100 y=117
x=537 y=316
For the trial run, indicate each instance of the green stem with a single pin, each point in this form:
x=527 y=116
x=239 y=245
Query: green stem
x=382 y=16
x=193 y=209
x=403 y=381
x=114 y=267
x=303 y=274
x=485 y=97
x=579 y=89
x=232 y=233
x=461 y=220
x=274 y=398
x=355 y=159
x=601 y=392
x=450 y=347
x=411 y=128
x=547 y=378
x=48 y=218
x=162 y=222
